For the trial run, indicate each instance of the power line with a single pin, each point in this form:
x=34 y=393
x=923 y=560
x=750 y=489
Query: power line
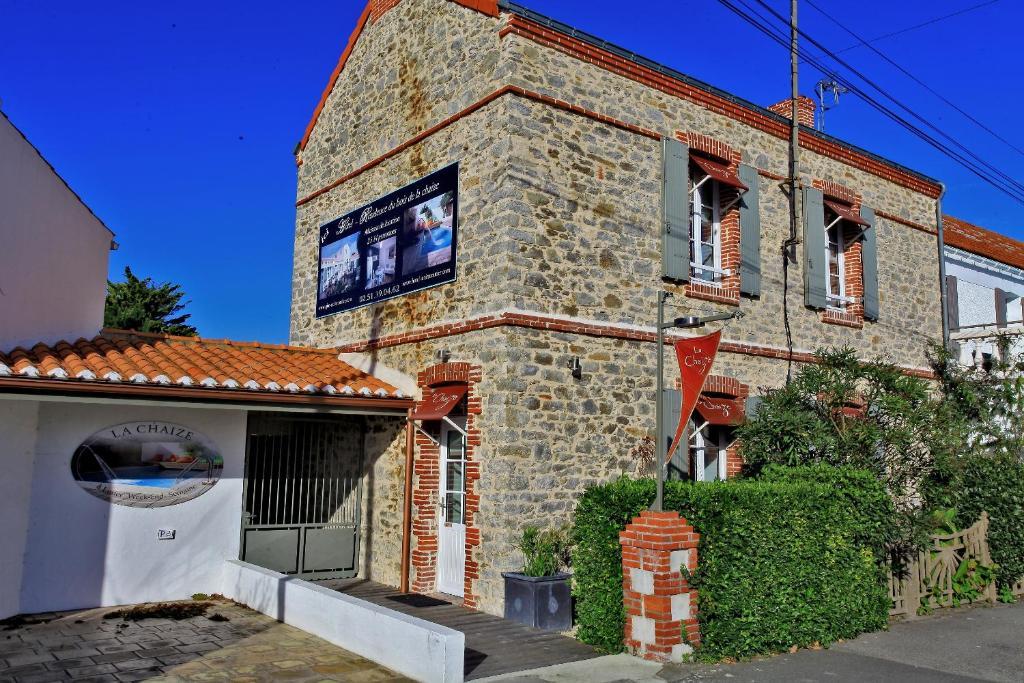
x=917 y=26
x=1018 y=187
x=917 y=80
x=774 y=34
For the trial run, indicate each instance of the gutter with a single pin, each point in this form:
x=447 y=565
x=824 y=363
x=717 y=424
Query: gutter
x=57 y=387
x=943 y=294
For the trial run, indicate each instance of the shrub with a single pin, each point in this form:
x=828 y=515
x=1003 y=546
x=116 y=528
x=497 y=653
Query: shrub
x=780 y=563
x=860 y=490
x=545 y=552
x=995 y=485
x=867 y=415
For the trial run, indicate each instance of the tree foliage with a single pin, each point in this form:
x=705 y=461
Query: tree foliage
x=868 y=415
x=145 y=306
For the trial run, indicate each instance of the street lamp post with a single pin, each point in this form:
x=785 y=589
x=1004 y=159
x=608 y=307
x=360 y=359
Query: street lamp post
x=661 y=448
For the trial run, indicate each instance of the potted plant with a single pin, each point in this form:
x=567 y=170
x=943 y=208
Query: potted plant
x=539 y=595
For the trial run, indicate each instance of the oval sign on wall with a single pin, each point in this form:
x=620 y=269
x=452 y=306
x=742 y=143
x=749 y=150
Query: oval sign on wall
x=147 y=464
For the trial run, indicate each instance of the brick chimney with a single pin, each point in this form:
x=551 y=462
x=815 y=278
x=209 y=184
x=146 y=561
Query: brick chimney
x=805 y=107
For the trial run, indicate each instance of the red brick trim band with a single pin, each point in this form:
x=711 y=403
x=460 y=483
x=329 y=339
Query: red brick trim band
x=565 y=106
x=591 y=329
x=506 y=90
x=586 y=52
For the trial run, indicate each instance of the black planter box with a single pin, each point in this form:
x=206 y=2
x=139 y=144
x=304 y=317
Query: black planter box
x=539 y=601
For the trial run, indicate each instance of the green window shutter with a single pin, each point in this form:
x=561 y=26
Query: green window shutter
x=869 y=261
x=675 y=199
x=750 y=233
x=815 y=263
x=679 y=465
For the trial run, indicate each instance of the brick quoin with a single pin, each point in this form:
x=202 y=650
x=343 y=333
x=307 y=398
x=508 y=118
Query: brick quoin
x=427 y=471
x=661 y=607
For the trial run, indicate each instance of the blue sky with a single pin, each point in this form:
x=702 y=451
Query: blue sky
x=176 y=121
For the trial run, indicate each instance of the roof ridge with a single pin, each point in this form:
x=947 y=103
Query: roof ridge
x=211 y=340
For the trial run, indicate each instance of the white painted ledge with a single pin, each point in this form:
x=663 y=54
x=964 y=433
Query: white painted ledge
x=419 y=649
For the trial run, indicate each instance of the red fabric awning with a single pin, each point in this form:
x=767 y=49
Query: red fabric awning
x=719 y=172
x=727 y=412
x=845 y=211
x=442 y=401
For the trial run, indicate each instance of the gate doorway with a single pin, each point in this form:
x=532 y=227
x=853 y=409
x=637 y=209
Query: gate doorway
x=302 y=494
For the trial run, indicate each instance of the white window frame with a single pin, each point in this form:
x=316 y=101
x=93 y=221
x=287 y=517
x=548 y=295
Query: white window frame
x=698 y=271
x=837 y=301
x=700 y=444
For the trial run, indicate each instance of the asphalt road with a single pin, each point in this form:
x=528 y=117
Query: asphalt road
x=984 y=643
x=971 y=644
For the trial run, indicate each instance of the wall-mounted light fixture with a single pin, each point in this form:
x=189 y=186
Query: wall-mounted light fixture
x=576 y=367
x=444 y=355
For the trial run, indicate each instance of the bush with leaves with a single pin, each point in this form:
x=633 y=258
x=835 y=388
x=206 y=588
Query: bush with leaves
x=867 y=415
x=145 y=306
x=990 y=398
x=780 y=563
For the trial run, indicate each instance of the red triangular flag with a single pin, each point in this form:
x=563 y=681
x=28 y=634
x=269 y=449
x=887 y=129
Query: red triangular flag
x=695 y=356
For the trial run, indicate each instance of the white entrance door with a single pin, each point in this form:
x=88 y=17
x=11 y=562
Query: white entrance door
x=451 y=541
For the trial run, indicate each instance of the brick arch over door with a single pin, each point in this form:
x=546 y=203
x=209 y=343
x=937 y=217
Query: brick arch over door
x=427 y=471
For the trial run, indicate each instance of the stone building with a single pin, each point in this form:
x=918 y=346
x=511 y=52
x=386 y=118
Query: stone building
x=589 y=178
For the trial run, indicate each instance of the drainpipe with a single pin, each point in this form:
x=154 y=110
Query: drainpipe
x=410 y=441
x=943 y=294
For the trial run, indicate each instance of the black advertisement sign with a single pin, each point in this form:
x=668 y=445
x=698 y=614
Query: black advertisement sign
x=396 y=245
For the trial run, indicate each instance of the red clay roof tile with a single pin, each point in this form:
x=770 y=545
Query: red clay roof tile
x=220 y=364
x=983 y=242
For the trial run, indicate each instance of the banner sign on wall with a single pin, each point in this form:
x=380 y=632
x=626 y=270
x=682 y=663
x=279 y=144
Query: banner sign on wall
x=695 y=356
x=147 y=464
x=398 y=244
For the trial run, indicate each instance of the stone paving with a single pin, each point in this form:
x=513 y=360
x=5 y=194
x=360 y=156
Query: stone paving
x=244 y=646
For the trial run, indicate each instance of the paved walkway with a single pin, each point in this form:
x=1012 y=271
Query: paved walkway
x=955 y=646
x=494 y=645
x=245 y=646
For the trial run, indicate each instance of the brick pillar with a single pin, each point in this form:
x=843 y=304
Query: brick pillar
x=660 y=605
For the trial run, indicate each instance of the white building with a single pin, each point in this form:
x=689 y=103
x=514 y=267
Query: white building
x=985 y=290
x=53 y=267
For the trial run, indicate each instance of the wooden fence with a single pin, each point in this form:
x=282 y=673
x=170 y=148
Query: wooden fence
x=928 y=582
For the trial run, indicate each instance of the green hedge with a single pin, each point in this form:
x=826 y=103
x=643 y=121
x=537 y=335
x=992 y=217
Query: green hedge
x=780 y=563
x=995 y=485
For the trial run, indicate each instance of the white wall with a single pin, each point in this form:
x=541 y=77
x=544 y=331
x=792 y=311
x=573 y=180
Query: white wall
x=53 y=265
x=416 y=648
x=17 y=453
x=84 y=552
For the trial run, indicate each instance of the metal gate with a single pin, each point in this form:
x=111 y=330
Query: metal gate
x=302 y=494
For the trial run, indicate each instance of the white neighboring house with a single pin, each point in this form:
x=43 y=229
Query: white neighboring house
x=53 y=267
x=985 y=290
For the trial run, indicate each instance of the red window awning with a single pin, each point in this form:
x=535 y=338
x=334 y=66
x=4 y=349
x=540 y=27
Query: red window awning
x=726 y=412
x=441 y=401
x=845 y=211
x=720 y=172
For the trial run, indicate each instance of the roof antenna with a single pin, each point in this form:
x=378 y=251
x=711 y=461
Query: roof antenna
x=827 y=85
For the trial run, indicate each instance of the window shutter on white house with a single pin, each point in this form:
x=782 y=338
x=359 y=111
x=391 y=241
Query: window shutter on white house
x=1000 y=302
x=750 y=233
x=815 y=263
x=675 y=199
x=869 y=264
x=952 y=304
